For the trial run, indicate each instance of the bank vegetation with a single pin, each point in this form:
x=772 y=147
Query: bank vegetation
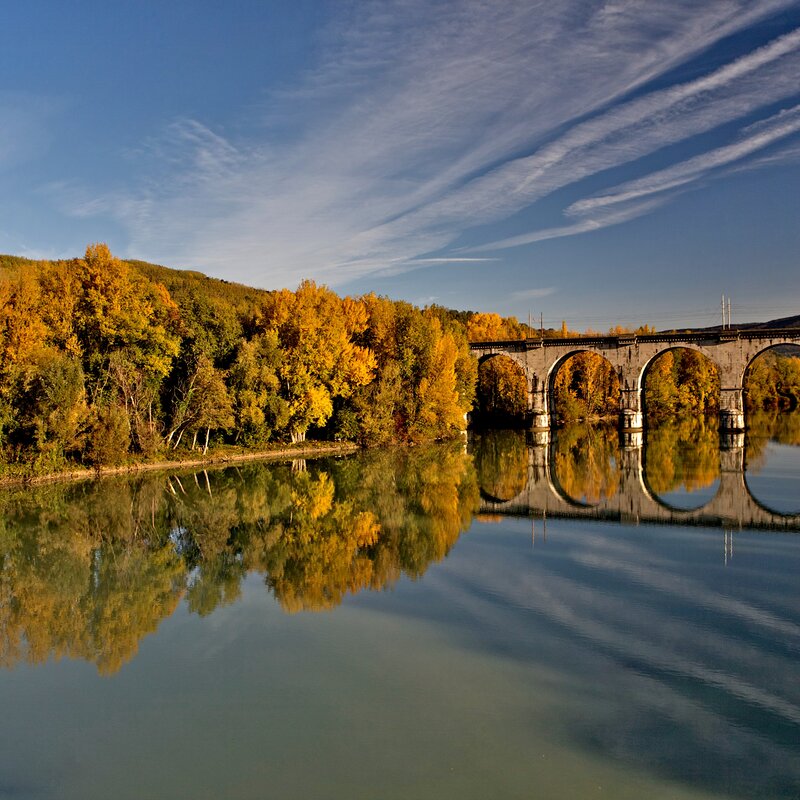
x=104 y=361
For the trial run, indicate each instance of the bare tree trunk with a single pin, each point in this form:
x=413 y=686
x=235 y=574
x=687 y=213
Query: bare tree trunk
x=205 y=449
x=194 y=441
x=178 y=440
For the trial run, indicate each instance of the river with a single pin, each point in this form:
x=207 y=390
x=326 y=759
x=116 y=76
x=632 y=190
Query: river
x=493 y=618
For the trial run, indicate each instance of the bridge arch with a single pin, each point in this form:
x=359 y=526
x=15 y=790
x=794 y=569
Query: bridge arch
x=502 y=389
x=558 y=489
x=502 y=464
x=517 y=358
x=648 y=362
x=652 y=404
x=594 y=393
x=677 y=509
x=586 y=464
x=757 y=380
x=765 y=506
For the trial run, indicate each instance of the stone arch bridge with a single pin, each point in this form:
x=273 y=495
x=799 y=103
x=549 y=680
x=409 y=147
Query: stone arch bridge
x=732 y=507
x=732 y=351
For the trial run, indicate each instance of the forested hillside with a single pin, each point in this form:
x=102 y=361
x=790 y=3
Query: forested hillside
x=104 y=360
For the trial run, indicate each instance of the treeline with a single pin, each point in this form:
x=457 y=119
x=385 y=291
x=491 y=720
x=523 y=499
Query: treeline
x=679 y=382
x=488 y=327
x=102 y=360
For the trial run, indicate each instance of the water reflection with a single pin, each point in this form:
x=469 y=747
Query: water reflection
x=682 y=461
x=87 y=570
x=629 y=657
x=586 y=463
x=773 y=456
x=685 y=473
x=502 y=460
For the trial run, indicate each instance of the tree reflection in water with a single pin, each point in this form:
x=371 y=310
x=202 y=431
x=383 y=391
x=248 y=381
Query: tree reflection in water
x=586 y=462
x=501 y=462
x=766 y=426
x=87 y=570
x=682 y=454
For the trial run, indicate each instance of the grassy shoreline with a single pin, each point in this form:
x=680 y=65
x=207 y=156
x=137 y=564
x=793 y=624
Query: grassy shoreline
x=215 y=458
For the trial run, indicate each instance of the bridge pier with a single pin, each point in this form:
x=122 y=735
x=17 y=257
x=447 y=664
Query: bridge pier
x=731 y=452
x=731 y=409
x=538 y=404
x=539 y=439
x=630 y=410
x=538 y=456
x=540 y=421
x=629 y=439
x=631 y=464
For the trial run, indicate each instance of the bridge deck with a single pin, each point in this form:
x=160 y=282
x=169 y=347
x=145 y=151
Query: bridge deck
x=626 y=339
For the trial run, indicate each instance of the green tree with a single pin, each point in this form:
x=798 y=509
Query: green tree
x=203 y=402
x=259 y=409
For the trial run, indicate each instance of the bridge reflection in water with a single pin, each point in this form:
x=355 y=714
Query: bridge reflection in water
x=622 y=488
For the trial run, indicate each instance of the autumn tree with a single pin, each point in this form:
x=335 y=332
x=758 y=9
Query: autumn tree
x=492 y=327
x=502 y=390
x=773 y=382
x=202 y=401
x=680 y=381
x=586 y=386
x=317 y=332
x=127 y=330
x=151 y=355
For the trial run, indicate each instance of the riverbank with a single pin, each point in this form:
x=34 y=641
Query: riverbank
x=217 y=457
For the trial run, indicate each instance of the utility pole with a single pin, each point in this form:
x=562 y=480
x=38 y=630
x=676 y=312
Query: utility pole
x=723 y=312
x=541 y=325
x=729 y=312
x=530 y=329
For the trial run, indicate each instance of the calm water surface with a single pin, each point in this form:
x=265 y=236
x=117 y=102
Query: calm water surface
x=562 y=621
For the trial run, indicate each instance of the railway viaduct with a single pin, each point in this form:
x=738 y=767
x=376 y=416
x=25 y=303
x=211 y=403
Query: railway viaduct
x=631 y=355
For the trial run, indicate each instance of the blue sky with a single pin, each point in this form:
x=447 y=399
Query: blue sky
x=598 y=162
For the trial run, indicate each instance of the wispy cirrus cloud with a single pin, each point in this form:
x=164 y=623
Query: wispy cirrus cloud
x=423 y=121
x=641 y=196
x=535 y=293
x=761 y=136
x=602 y=218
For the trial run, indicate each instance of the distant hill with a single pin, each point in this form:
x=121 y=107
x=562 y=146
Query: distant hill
x=783 y=322
x=177 y=279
